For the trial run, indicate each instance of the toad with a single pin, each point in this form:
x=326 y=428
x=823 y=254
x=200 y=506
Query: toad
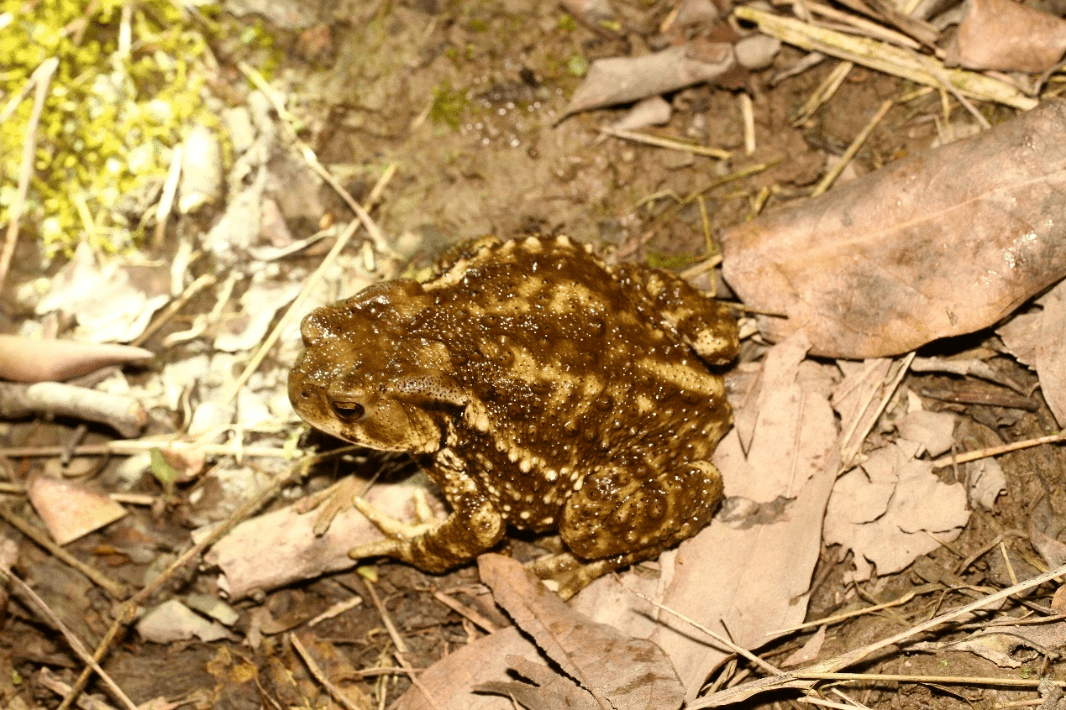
x=539 y=388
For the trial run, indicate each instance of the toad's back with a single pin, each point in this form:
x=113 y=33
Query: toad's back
x=575 y=367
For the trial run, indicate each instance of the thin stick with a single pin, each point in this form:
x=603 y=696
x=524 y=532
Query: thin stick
x=42 y=79
x=950 y=459
x=466 y=612
x=335 y=692
x=73 y=641
x=838 y=618
x=117 y=590
x=174 y=306
x=739 y=650
x=397 y=640
x=946 y=679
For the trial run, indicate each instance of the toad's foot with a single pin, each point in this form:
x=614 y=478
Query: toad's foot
x=438 y=547
x=396 y=532
x=571 y=574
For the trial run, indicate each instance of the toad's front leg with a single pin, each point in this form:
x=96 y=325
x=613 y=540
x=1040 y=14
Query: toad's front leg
x=474 y=526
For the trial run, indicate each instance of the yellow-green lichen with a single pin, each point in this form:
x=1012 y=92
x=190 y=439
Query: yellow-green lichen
x=111 y=117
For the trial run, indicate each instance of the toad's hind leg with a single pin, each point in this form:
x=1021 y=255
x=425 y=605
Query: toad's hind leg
x=617 y=519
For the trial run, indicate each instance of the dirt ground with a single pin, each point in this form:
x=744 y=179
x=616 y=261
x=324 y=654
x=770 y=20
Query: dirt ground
x=467 y=101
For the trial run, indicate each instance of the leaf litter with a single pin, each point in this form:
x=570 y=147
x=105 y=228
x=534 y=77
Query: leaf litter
x=855 y=442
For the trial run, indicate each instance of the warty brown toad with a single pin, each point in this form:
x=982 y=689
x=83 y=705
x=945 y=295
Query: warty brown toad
x=539 y=388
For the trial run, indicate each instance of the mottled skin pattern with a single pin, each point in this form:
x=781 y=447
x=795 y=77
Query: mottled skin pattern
x=539 y=388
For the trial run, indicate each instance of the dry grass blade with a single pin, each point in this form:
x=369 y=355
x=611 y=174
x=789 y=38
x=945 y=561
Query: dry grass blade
x=667 y=143
x=829 y=668
x=883 y=57
x=823 y=93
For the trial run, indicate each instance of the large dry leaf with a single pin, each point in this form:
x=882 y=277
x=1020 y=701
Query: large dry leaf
x=936 y=244
x=1007 y=36
x=619 y=671
x=748 y=574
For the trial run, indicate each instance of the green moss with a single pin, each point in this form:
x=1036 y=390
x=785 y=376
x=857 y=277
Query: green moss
x=448 y=105
x=110 y=120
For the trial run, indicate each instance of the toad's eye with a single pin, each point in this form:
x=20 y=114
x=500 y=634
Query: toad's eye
x=347 y=410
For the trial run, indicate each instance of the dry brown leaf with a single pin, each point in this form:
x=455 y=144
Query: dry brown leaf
x=450 y=681
x=1021 y=335
x=618 y=80
x=935 y=431
x=750 y=573
x=69 y=509
x=548 y=691
x=121 y=412
x=808 y=652
x=618 y=670
x=892 y=509
x=173 y=621
x=936 y=244
x=1007 y=36
x=36 y=360
x=1052 y=550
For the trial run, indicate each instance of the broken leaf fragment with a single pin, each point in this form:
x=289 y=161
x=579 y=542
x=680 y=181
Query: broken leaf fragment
x=70 y=510
x=892 y=509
